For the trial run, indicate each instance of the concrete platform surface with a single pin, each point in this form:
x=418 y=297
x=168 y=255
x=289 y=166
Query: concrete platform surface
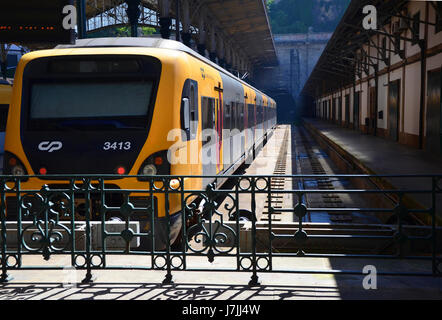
x=381 y=156
x=195 y=285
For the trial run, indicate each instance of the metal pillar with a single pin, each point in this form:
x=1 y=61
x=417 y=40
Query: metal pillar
x=81 y=19
x=202 y=35
x=220 y=50
x=186 y=36
x=213 y=44
x=165 y=20
x=228 y=59
x=177 y=20
x=133 y=13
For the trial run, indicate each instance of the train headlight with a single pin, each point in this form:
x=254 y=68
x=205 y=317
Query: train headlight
x=18 y=170
x=149 y=170
x=155 y=164
x=13 y=166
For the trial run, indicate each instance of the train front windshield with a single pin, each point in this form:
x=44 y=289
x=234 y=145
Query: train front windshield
x=124 y=104
x=89 y=94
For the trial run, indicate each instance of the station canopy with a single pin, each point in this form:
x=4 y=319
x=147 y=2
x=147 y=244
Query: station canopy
x=342 y=58
x=244 y=21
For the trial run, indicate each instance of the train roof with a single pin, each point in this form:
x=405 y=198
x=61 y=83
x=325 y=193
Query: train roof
x=147 y=42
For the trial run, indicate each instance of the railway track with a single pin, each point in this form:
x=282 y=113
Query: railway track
x=278 y=183
x=313 y=163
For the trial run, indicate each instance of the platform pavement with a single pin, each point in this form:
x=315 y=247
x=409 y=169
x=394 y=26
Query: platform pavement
x=385 y=157
x=195 y=285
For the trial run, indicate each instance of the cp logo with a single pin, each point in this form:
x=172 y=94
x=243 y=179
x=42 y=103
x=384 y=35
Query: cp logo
x=50 y=146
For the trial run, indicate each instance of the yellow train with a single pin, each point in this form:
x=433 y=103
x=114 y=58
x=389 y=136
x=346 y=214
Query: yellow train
x=5 y=100
x=126 y=106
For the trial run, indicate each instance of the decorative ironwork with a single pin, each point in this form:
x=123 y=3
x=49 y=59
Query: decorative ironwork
x=89 y=220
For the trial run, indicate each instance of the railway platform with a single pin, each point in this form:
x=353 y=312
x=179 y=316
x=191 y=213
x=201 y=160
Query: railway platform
x=367 y=154
x=147 y=285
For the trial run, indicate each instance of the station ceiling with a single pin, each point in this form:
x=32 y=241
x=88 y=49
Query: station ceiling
x=243 y=21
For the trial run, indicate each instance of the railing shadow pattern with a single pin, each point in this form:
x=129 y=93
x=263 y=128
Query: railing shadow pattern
x=50 y=222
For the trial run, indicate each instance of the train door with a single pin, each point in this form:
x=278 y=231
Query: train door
x=434 y=113
x=189 y=123
x=356 y=104
x=334 y=110
x=251 y=120
x=393 y=109
x=347 y=110
x=209 y=143
x=218 y=128
x=340 y=111
x=372 y=112
x=227 y=126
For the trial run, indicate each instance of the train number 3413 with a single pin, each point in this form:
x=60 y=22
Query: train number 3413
x=117 y=145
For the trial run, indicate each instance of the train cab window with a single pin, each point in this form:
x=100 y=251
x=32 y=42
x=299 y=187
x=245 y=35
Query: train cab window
x=94 y=94
x=3 y=116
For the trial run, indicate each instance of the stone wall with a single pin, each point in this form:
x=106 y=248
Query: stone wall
x=297 y=55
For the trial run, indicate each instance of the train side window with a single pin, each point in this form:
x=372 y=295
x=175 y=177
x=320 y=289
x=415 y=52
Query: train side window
x=189 y=109
x=208 y=116
x=246 y=115
x=251 y=116
x=234 y=115
x=227 y=117
x=193 y=110
x=241 y=117
x=3 y=116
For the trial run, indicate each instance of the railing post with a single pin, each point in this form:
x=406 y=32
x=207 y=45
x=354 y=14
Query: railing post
x=4 y=276
x=168 y=277
x=19 y=223
x=88 y=278
x=400 y=237
x=271 y=211
x=72 y=208
x=183 y=220
x=254 y=280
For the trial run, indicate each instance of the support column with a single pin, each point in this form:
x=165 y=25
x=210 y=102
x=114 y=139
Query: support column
x=220 y=50
x=202 y=34
x=186 y=36
x=81 y=19
x=212 y=44
x=228 y=66
x=177 y=20
x=133 y=13
x=165 y=20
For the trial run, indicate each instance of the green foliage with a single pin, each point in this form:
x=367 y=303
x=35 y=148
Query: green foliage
x=296 y=16
x=147 y=31
x=125 y=31
x=122 y=32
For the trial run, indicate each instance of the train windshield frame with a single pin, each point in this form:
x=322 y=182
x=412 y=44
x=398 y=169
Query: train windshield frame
x=90 y=93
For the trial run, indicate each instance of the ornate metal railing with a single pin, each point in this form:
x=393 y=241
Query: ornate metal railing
x=77 y=217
